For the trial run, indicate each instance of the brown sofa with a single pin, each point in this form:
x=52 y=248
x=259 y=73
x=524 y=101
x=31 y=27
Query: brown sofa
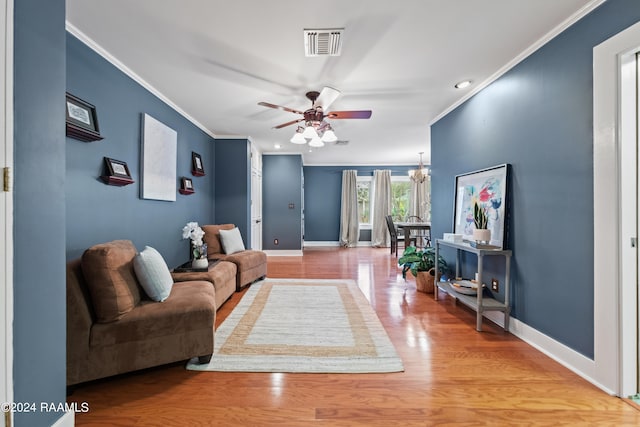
x=252 y=265
x=113 y=328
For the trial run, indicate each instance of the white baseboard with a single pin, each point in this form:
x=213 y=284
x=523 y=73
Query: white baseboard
x=283 y=252
x=67 y=420
x=330 y=244
x=321 y=244
x=567 y=357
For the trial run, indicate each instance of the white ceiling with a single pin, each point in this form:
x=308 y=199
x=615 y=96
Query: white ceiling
x=215 y=60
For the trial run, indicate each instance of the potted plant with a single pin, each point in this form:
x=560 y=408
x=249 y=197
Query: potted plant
x=480 y=220
x=422 y=264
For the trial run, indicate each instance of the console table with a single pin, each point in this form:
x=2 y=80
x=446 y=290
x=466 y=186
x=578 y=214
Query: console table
x=477 y=302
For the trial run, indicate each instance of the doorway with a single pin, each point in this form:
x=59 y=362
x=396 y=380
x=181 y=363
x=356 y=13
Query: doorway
x=616 y=212
x=6 y=206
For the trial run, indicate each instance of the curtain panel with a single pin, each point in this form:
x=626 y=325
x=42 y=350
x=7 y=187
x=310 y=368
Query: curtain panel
x=349 y=227
x=381 y=208
x=419 y=200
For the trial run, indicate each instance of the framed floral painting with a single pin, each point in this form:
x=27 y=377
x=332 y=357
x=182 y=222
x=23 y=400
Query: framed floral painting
x=487 y=187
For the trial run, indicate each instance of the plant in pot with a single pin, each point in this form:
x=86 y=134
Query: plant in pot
x=480 y=220
x=422 y=264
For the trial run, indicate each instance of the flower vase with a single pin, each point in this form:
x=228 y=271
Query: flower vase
x=482 y=235
x=200 y=263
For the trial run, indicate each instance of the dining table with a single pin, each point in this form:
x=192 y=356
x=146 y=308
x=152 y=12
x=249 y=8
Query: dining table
x=407 y=227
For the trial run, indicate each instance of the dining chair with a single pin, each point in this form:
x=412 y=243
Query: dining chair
x=395 y=236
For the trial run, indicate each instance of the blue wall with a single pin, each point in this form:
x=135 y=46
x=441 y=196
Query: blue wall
x=282 y=186
x=322 y=194
x=39 y=332
x=97 y=212
x=233 y=192
x=538 y=117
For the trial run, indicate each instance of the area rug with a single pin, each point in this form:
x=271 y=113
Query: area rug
x=302 y=325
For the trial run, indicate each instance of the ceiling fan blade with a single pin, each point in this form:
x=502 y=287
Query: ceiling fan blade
x=279 y=107
x=327 y=97
x=357 y=114
x=292 y=122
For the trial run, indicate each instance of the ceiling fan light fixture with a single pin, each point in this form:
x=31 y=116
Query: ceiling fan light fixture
x=329 y=136
x=298 y=138
x=310 y=132
x=316 y=142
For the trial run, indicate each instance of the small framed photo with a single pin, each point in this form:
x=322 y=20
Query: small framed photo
x=117 y=168
x=117 y=172
x=81 y=119
x=197 y=168
x=186 y=186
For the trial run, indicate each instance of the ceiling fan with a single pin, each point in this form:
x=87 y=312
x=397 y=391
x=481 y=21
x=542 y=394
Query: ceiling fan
x=315 y=115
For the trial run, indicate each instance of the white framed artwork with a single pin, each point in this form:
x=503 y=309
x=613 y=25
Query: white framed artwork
x=158 y=160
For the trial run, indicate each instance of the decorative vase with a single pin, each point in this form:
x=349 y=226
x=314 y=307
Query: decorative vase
x=482 y=235
x=200 y=263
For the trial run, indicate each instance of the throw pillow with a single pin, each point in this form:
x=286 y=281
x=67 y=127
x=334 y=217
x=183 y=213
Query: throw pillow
x=153 y=274
x=231 y=241
x=212 y=237
x=112 y=283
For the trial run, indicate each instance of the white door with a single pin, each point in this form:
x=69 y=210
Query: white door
x=256 y=200
x=6 y=207
x=637 y=304
x=629 y=302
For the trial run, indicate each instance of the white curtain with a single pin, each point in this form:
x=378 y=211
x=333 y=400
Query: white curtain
x=381 y=207
x=349 y=227
x=420 y=199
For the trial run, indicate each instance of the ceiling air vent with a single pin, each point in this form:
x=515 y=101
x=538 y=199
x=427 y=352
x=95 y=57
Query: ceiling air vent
x=323 y=42
x=342 y=142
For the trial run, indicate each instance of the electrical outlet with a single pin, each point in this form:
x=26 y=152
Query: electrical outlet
x=275 y=241
x=495 y=285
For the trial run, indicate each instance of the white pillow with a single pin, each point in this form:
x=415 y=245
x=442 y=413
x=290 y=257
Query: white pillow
x=231 y=241
x=153 y=274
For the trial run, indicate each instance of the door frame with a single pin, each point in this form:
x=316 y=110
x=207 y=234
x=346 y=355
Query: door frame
x=6 y=204
x=615 y=220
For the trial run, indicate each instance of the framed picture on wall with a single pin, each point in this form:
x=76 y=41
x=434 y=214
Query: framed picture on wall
x=81 y=119
x=158 y=160
x=197 y=168
x=117 y=172
x=487 y=187
x=186 y=186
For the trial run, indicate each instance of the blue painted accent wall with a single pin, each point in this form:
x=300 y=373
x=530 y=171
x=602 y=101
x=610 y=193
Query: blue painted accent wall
x=322 y=195
x=281 y=186
x=233 y=190
x=39 y=326
x=97 y=212
x=539 y=117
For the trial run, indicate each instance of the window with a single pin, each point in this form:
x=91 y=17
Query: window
x=364 y=201
x=400 y=194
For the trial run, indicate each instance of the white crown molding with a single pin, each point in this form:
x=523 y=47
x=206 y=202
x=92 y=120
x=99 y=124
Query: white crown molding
x=578 y=15
x=115 y=62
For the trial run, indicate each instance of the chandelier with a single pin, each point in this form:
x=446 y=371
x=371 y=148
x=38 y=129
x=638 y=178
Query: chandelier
x=419 y=175
x=316 y=133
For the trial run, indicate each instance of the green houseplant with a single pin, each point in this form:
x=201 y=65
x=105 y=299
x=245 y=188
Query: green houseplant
x=481 y=220
x=422 y=264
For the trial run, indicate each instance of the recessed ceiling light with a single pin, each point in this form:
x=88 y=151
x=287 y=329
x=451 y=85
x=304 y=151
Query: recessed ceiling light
x=463 y=84
x=278 y=146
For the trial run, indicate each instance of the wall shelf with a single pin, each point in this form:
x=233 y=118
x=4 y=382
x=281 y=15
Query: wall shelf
x=116 y=180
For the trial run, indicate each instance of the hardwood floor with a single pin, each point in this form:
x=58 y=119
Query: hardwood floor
x=453 y=374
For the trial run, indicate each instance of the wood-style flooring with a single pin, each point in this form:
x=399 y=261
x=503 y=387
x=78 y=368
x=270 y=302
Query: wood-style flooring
x=453 y=374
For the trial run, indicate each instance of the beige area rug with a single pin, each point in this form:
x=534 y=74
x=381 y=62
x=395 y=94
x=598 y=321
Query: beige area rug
x=302 y=325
